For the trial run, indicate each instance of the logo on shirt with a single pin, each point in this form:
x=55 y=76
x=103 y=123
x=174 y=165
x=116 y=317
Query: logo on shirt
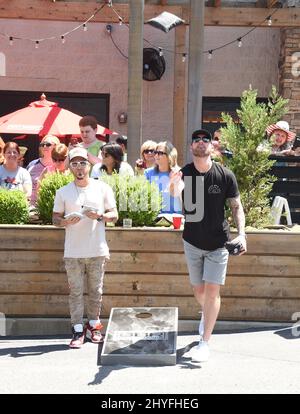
x=214 y=189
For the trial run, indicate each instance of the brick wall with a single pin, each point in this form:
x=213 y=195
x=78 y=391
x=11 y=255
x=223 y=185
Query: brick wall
x=289 y=75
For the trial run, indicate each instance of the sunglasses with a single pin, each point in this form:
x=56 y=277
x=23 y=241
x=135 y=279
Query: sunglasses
x=204 y=139
x=45 y=144
x=79 y=164
x=58 y=159
x=148 y=151
x=159 y=153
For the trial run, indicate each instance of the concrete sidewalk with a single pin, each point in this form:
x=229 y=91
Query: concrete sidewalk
x=254 y=361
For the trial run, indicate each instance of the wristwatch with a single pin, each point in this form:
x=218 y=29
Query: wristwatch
x=99 y=219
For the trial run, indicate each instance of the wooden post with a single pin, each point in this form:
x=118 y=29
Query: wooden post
x=135 y=79
x=179 y=121
x=196 y=46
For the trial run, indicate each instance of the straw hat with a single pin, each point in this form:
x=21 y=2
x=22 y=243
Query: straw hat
x=282 y=126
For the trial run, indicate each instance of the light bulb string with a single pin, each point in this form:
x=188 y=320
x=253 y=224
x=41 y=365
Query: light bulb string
x=244 y=35
x=210 y=51
x=161 y=49
x=55 y=37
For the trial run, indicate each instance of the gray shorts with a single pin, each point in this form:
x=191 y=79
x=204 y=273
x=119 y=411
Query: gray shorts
x=206 y=265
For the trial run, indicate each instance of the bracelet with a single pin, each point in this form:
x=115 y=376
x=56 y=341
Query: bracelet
x=243 y=235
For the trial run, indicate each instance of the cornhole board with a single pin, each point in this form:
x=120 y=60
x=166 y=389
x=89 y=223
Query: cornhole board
x=141 y=336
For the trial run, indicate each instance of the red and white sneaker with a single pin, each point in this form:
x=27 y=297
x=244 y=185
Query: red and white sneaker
x=93 y=333
x=77 y=339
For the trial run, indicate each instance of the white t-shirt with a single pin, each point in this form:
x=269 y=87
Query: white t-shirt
x=87 y=237
x=14 y=180
x=125 y=169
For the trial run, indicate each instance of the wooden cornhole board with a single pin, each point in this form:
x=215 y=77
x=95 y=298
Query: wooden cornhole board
x=141 y=336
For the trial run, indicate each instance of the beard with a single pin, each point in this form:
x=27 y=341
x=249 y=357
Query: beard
x=201 y=152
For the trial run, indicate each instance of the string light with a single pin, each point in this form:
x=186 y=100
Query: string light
x=121 y=21
x=269 y=20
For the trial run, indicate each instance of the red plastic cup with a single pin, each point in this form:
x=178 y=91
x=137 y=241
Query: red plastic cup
x=177 y=222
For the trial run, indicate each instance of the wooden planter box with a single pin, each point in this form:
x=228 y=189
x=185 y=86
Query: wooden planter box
x=147 y=268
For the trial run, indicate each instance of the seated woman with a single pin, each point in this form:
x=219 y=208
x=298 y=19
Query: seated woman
x=165 y=163
x=281 y=138
x=147 y=159
x=13 y=177
x=112 y=155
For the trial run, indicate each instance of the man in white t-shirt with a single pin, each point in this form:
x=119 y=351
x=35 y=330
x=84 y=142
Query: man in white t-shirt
x=82 y=207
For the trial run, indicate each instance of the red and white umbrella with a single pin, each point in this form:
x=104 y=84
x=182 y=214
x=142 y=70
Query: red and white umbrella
x=44 y=117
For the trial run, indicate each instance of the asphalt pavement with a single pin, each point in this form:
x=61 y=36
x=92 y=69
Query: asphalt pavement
x=253 y=361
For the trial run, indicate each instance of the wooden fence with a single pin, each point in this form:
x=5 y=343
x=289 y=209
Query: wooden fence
x=147 y=268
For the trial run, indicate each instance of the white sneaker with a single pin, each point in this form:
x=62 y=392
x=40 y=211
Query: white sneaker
x=201 y=352
x=201 y=326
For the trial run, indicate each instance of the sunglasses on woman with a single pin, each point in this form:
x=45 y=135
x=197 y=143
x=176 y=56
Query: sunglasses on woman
x=45 y=144
x=148 y=151
x=159 y=153
x=58 y=159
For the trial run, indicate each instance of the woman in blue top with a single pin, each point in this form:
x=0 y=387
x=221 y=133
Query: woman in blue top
x=165 y=161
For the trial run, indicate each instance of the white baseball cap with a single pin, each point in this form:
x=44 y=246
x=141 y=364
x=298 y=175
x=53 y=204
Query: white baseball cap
x=78 y=152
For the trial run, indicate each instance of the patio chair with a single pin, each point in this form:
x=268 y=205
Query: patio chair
x=280 y=204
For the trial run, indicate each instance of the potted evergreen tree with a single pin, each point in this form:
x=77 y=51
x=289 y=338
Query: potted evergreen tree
x=250 y=166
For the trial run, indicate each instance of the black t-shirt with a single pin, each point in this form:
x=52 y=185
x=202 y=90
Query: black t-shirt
x=208 y=229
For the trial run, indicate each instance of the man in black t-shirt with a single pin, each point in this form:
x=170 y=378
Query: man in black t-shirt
x=205 y=186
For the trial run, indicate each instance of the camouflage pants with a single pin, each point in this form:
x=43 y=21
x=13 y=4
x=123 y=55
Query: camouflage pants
x=93 y=268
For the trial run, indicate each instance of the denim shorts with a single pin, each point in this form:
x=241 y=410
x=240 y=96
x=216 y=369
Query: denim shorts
x=206 y=265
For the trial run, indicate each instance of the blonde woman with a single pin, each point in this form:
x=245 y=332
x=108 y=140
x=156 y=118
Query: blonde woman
x=165 y=162
x=36 y=167
x=147 y=159
x=59 y=157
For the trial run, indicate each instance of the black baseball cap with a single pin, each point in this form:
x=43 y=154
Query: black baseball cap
x=204 y=132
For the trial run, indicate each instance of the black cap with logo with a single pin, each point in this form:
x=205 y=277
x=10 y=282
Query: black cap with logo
x=202 y=132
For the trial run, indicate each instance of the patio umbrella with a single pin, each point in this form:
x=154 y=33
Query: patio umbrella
x=44 y=117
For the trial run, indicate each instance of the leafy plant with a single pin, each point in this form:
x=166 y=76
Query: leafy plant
x=14 y=207
x=46 y=194
x=136 y=198
x=250 y=166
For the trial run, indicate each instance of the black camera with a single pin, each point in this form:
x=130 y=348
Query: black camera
x=234 y=249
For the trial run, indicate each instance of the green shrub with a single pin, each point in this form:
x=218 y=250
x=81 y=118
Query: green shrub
x=14 y=207
x=136 y=198
x=46 y=194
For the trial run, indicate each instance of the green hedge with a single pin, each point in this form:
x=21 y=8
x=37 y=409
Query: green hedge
x=46 y=194
x=14 y=208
